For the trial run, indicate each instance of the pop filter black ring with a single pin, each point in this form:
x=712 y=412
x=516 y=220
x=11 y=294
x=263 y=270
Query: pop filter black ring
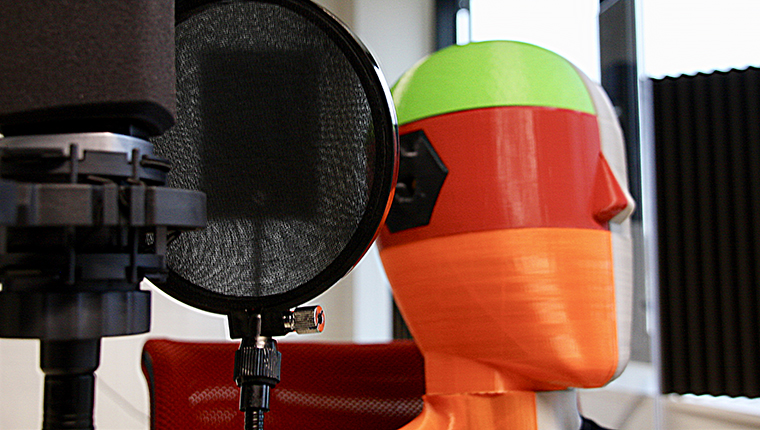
x=382 y=185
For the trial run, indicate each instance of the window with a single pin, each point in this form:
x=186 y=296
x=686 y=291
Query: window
x=679 y=36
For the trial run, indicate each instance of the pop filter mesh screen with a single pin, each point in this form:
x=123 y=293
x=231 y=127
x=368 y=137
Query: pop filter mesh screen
x=276 y=127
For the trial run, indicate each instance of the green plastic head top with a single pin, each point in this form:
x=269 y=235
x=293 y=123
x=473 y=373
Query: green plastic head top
x=489 y=74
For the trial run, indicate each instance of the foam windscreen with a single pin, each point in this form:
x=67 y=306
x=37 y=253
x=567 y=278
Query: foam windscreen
x=284 y=121
x=86 y=65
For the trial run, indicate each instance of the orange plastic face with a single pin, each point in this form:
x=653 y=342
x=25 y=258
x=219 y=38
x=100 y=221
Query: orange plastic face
x=514 y=309
x=510 y=286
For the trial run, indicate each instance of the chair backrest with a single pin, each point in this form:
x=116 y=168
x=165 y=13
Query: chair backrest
x=335 y=386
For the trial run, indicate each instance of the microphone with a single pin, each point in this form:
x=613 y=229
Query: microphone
x=85 y=210
x=285 y=130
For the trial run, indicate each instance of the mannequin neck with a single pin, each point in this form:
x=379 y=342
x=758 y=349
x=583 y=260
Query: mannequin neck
x=472 y=394
x=514 y=410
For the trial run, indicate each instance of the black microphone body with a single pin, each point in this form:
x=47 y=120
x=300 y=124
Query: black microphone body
x=85 y=213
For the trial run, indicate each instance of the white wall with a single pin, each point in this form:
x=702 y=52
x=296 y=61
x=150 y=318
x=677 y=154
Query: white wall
x=399 y=33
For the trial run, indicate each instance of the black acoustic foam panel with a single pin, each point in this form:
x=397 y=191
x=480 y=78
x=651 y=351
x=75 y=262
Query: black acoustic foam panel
x=707 y=137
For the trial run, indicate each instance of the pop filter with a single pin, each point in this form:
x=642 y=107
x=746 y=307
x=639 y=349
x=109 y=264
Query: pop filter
x=285 y=122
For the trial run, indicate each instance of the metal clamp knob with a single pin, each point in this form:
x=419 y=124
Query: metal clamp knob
x=310 y=319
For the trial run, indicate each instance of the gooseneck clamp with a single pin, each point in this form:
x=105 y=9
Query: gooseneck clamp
x=257 y=362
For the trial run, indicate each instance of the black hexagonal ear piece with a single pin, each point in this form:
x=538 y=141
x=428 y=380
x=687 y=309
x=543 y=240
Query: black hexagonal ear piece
x=420 y=178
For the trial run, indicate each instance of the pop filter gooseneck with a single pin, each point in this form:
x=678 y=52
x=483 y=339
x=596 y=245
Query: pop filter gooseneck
x=285 y=122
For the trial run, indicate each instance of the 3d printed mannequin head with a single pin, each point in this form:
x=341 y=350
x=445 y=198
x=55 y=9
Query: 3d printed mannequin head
x=509 y=287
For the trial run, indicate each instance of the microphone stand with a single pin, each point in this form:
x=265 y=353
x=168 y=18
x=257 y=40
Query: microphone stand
x=257 y=362
x=84 y=218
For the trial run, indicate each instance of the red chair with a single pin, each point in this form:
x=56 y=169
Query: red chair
x=330 y=386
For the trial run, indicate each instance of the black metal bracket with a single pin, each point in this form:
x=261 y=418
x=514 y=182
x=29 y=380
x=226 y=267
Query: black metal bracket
x=420 y=179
